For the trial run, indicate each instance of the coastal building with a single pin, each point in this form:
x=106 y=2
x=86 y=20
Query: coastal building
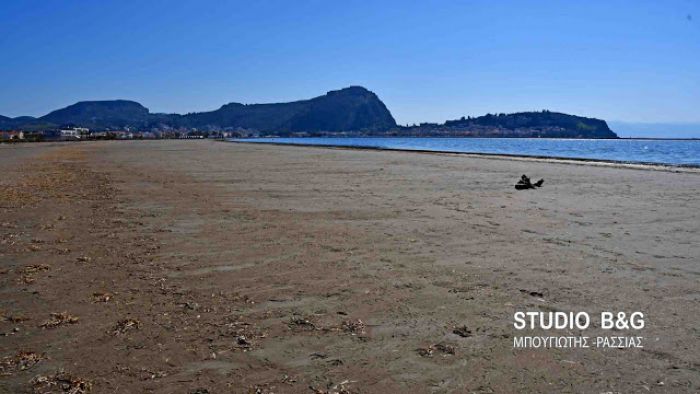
x=99 y=134
x=74 y=133
x=11 y=135
x=69 y=134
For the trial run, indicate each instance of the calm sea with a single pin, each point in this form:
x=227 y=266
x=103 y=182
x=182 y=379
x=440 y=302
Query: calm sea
x=671 y=152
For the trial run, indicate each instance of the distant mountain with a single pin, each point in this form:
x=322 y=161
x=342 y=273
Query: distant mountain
x=24 y=123
x=11 y=123
x=6 y=122
x=350 y=109
x=97 y=114
x=24 y=119
x=545 y=124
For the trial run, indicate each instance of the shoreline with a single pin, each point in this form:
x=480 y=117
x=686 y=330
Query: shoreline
x=676 y=168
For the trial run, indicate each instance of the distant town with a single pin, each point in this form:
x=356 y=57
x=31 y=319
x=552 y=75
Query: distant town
x=86 y=134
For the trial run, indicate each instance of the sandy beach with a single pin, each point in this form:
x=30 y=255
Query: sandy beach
x=210 y=267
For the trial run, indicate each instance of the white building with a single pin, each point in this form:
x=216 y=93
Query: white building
x=74 y=133
x=70 y=134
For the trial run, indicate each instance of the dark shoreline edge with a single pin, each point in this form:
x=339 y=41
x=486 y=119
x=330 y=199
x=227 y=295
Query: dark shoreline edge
x=687 y=168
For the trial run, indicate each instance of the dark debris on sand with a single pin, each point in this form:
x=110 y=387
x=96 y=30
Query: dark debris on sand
x=525 y=183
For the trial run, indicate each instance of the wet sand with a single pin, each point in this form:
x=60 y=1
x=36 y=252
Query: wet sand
x=202 y=265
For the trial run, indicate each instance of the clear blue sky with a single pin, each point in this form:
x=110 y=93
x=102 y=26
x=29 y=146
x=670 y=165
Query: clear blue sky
x=634 y=61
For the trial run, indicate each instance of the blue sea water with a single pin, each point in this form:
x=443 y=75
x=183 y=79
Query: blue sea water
x=669 y=152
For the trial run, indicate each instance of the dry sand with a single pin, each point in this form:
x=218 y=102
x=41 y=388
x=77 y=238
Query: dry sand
x=201 y=265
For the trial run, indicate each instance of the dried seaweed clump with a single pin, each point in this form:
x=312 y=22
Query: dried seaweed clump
x=354 y=327
x=19 y=362
x=59 y=319
x=61 y=382
x=126 y=325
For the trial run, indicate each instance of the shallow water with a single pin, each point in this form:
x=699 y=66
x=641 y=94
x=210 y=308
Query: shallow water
x=671 y=152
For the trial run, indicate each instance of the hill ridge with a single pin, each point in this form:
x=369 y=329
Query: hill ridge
x=353 y=110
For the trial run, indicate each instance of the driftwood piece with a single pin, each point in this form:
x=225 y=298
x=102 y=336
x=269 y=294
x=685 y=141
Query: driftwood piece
x=525 y=183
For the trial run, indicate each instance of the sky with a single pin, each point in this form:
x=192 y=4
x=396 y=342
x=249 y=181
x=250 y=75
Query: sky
x=630 y=62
